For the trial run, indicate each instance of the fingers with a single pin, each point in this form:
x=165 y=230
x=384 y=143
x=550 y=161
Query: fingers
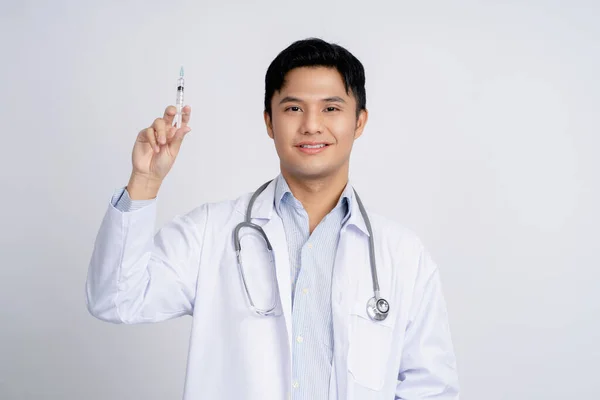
x=178 y=138
x=181 y=132
x=183 y=124
x=151 y=137
x=171 y=133
x=186 y=112
x=170 y=112
x=160 y=129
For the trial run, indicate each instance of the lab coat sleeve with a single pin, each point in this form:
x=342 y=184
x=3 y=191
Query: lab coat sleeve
x=138 y=276
x=123 y=202
x=428 y=367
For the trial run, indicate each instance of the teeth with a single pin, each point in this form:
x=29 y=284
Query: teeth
x=316 y=146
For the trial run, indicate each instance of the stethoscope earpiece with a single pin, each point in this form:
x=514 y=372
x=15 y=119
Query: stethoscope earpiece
x=378 y=309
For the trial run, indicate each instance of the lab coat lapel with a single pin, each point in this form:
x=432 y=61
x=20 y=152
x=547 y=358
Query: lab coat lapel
x=276 y=234
x=273 y=227
x=340 y=307
x=352 y=246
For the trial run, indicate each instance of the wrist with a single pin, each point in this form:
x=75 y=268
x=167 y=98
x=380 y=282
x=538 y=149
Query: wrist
x=142 y=188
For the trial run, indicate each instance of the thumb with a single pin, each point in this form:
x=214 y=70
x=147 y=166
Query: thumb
x=178 y=138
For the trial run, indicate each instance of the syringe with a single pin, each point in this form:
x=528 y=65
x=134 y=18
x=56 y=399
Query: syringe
x=179 y=100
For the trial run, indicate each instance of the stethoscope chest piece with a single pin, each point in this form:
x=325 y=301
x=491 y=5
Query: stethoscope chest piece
x=378 y=309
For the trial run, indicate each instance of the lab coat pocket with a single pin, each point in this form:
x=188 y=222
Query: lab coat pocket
x=369 y=348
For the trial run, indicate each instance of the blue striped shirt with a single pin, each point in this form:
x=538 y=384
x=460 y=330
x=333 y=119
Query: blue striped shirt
x=312 y=259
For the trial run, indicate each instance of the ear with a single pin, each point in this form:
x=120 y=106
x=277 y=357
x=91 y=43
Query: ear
x=268 y=124
x=361 y=121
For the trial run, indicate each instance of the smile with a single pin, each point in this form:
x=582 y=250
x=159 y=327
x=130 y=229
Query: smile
x=312 y=148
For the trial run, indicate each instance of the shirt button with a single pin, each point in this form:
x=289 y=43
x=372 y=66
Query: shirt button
x=299 y=339
x=310 y=246
x=305 y=290
x=295 y=384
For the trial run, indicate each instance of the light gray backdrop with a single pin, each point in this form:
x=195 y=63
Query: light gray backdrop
x=482 y=138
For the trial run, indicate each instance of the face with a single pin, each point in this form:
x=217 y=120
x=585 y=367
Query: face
x=314 y=123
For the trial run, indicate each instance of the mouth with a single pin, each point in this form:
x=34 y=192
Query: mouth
x=312 y=148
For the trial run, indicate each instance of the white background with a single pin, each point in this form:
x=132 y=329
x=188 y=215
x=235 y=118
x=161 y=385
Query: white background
x=482 y=138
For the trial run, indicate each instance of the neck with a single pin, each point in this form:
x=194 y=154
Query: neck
x=319 y=195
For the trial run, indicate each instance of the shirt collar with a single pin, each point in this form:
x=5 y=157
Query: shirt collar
x=265 y=206
x=283 y=195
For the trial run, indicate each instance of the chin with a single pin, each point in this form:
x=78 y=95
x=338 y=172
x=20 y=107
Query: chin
x=303 y=172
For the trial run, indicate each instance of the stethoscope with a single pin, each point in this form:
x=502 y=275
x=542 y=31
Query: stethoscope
x=377 y=307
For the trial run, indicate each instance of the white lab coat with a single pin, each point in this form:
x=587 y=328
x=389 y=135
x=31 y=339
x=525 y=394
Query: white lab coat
x=189 y=268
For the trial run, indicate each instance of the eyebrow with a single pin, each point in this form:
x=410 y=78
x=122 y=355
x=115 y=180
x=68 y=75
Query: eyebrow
x=333 y=99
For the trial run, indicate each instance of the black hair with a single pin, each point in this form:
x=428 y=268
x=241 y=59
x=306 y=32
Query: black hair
x=315 y=52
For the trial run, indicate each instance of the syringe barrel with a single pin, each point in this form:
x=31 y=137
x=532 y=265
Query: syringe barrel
x=179 y=102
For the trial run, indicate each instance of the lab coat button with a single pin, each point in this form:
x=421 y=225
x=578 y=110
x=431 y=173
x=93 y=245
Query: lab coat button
x=295 y=384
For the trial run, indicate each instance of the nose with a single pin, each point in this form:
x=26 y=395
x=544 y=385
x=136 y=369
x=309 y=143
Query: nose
x=312 y=122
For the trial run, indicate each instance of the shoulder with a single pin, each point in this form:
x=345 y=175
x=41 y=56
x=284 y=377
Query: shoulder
x=403 y=243
x=394 y=233
x=221 y=210
x=411 y=260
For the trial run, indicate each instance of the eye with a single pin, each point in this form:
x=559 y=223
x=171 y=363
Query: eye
x=293 y=108
x=330 y=109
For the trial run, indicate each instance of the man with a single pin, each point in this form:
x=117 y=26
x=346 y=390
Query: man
x=322 y=340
